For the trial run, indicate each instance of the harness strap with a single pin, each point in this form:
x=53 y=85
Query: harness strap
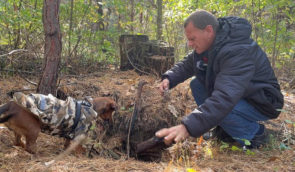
x=77 y=115
x=79 y=104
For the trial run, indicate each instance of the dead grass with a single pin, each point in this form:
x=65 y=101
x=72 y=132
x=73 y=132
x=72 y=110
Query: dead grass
x=124 y=85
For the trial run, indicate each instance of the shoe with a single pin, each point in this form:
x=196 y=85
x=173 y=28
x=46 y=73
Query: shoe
x=259 y=139
x=220 y=134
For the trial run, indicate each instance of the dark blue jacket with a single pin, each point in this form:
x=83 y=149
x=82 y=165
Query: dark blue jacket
x=237 y=69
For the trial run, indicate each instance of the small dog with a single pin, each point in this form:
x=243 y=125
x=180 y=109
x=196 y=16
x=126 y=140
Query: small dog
x=28 y=115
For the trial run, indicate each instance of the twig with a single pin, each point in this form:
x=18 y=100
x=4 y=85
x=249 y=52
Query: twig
x=20 y=74
x=13 y=51
x=31 y=82
x=272 y=124
x=136 y=110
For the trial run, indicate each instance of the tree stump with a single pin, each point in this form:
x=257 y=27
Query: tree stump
x=144 y=55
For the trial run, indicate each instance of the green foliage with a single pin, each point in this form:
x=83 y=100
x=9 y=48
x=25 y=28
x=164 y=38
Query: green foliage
x=223 y=146
x=246 y=142
x=19 y=21
x=249 y=152
x=283 y=147
x=21 y=26
x=235 y=148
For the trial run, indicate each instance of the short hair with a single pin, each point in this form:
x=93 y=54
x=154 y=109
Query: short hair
x=202 y=18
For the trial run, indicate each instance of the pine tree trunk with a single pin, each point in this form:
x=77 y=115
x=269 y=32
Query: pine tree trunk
x=53 y=47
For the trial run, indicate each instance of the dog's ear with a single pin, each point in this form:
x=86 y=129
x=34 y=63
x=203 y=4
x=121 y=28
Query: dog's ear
x=60 y=94
x=113 y=106
x=104 y=107
x=10 y=93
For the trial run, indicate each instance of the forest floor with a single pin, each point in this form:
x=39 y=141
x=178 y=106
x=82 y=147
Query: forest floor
x=193 y=155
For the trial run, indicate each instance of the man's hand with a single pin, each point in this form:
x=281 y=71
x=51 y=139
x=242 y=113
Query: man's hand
x=176 y=134
x=164 y=85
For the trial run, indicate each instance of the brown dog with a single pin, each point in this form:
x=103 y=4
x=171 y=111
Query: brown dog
x=24 y=123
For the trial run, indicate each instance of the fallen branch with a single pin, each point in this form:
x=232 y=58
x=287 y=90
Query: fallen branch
x=29 y=81
x=149 y=144
x=136 y=110
x=13 y=52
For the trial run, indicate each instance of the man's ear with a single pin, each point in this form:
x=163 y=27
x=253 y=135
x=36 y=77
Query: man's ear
x=209 y=29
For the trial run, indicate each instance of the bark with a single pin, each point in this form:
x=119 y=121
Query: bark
x=52 y=49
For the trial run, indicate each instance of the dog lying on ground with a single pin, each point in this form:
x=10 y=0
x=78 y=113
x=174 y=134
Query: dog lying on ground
x=27 y=115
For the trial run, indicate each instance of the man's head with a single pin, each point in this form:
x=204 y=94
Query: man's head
x=200 y=29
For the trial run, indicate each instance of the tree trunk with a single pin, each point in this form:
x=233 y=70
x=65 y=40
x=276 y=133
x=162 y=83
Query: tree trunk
x=159 y=19
x=274 y=51
x=17 y=31
x=132 y=16
x=53 y=47
x=70 y=31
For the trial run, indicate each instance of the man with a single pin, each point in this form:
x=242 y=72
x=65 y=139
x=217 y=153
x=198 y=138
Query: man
x=234 y=87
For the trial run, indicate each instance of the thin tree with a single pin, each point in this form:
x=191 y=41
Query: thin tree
x=70 y=31
x=53 y=47
x=159 y=19
x=132 y=14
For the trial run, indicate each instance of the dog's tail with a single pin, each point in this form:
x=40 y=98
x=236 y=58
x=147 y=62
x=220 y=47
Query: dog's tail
x=4 y=108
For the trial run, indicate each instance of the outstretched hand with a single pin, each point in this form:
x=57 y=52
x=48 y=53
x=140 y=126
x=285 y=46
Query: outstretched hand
x=164 y=85
x=173 y=134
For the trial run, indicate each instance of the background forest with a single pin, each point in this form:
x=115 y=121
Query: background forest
x=91 y=29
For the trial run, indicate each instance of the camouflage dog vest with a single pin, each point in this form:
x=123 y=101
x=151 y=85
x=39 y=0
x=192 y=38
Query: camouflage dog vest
x=68 y=118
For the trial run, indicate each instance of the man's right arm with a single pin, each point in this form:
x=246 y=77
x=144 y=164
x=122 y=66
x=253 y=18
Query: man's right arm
x=181 y=71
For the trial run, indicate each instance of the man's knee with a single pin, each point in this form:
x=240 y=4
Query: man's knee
x=195 y=84
x=192 y=83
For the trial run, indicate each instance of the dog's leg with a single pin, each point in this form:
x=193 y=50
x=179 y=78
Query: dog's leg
x=31 y=141
x=31 y=145
x=18 y=141
x=67 y=143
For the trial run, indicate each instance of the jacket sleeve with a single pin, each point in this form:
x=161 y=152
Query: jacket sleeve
x=181 y=71
x=236 y=71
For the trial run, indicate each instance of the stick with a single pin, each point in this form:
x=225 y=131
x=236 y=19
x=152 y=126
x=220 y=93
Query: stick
x=13 y=51
x=137 y=106
x=149 y=144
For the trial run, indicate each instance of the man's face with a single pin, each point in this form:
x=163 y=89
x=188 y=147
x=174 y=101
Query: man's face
x=199 y=40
